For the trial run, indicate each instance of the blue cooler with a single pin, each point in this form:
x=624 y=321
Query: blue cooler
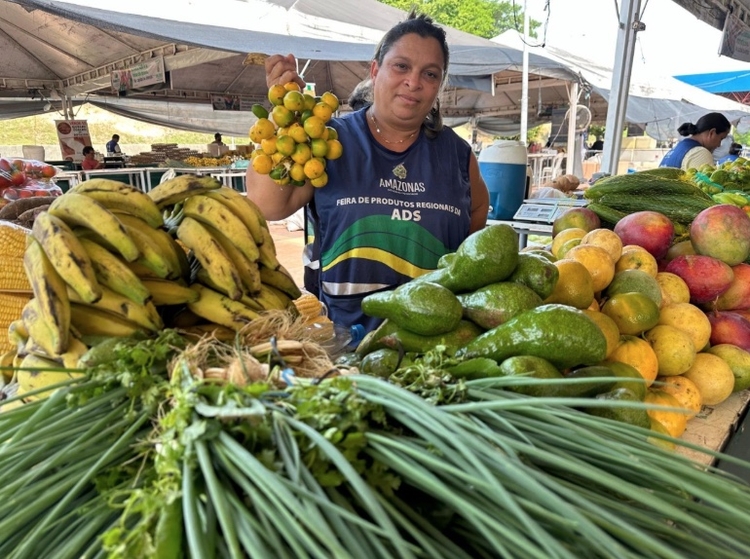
x=503 y=168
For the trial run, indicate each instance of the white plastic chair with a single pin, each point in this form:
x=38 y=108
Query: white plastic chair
x=553 y=170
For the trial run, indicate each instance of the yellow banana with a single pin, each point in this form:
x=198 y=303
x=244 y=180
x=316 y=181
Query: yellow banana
x=90 y=321
x=281 y=279
x=211 y=256
x=268 y=299
x=145 y=316
x=218 y=308
x=152 y=252
x=221 y=333
x=124 y=198
x=267 y=249
x=166 y=292
x=115 y=273
x=217 y=215
x=50 y=292
x=18 y=334
x=42 y=333
x=69 y=359
x=177 y=256
x=67 y=255
x=78 y=209
x=243 y=208
x=176 y=190
x=32 y=375
x=202 y=277
x=281 y=296
x=248 y=269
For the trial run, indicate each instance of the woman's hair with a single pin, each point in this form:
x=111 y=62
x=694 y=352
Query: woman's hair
x=361 y=96
x=424 y=26
x=735 y=149
x=706 y=122
x=87 y=150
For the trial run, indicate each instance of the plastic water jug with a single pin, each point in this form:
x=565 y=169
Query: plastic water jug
x=503 y=168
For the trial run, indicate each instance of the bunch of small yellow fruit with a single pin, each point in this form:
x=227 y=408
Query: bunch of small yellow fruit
x=294 y=141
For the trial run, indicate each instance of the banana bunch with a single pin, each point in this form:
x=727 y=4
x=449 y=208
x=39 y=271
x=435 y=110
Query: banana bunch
x=195 y=161
x=734 y=198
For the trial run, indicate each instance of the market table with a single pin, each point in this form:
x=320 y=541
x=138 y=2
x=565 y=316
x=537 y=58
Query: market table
x=135 y=176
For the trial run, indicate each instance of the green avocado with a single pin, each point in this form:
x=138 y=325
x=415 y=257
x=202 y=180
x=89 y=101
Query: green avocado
x=602 y=380
x=536 y=368
x=628 y=377
x=535 y=272
x=562 y=335
x=631 y=415
x=383 y=362
x=494 y=304
x=486 y=256
x=421 y=307
x=409 y=341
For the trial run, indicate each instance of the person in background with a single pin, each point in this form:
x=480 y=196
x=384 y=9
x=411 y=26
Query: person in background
x=723 y=150
x=90 y=162
x=734 y=152
x=113 y=146
x=702 y=139
x=217 y=140
x=598 y=145
x=403 y=183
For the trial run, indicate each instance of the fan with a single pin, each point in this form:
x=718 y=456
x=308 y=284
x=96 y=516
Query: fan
x=583 y=118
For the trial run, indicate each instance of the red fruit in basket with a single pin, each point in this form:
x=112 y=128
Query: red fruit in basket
x=651 y=230
x=48 y=171
x=25 y=193
x=738 y=294
x=18 y=164
x=706 y=277
x=729 y=328
x=723 y=232
x=10 y=194
x=18 y=178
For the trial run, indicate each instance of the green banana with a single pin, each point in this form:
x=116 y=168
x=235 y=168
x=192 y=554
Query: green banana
x=50 y=291
x=114 y=273
x=176 y=190
x=281 y=279
x=90 y=321
x=67 y=255
x=146 y=316
x=165 y=292
x=217 y=215
x=248 y=270
x=220 y=309
x=244 y=208
x=211 y=256
x=124 y=198
x=78 y=209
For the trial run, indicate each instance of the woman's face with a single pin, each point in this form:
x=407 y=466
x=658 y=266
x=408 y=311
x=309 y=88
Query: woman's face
x=714 y=139
x=408 y=82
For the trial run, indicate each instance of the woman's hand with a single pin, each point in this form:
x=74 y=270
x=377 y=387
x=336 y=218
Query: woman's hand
x=282 y=70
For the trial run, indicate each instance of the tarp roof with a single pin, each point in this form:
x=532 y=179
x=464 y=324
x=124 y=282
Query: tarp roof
x=719 y=82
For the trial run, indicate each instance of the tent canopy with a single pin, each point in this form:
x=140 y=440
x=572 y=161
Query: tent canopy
x=719 y=82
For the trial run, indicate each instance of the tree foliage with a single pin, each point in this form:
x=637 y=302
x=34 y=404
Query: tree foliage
x=484 y=18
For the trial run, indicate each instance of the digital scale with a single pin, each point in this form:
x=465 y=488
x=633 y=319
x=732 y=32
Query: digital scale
x=546 y=210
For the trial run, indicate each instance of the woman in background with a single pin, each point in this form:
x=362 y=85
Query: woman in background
x=702 y=139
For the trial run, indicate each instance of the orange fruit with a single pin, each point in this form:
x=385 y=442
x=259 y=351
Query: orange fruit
x=297 y=172
x=563 y=236
x=282 y=116
x=262 y=130
x=331 y=100
x=332 y=134
x=298 y=133
x=335 y=149
x=314 y=126
x=638 y=258
x=608 y=328
x=674 y=349
x=276 y=94
x=323 y=111
x=268 y=145
x=675 y=421
x=320 y=181
x=574 y=285
x=673 y=289
x=309 y=102
x=597 y=262
x=292 y=86
x=314 y=168
x=302 y=154
x=634 y=313
x=319 y=147
x=690 y=319
x=606 y=239
x=684 y=391
x=566 y=246
x=262 y=164
x=285 y=145
x=657 y=427
x=594 y=306
x=639 y=354
x=713 y=377
x=294 y=101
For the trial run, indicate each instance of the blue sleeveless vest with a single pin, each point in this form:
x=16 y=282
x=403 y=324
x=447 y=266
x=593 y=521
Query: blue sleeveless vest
x=387 y=217
x=674 y=156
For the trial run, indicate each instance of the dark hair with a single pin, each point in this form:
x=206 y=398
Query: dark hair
x=115 y=136
x=217 y=136
x=735 y=149
x=708 y=121
x=87 y=150
x=424 y=26
x=361 y=95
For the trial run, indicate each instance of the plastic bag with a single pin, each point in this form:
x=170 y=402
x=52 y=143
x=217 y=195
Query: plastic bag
x=24 y=178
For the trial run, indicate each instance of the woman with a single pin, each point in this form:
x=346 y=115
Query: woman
x=734 y=152
x=89 y=162
x=405 y=191
x=703 y=138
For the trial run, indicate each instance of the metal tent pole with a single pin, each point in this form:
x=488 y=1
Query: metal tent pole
x=629 y=25
x=525 y=78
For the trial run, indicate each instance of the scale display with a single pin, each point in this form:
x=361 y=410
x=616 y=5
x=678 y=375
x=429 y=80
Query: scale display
x=546 y=210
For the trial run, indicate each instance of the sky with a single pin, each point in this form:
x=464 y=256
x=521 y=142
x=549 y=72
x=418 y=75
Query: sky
x=674 y=42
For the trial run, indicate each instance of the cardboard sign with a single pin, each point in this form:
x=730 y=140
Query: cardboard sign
x=73 y=136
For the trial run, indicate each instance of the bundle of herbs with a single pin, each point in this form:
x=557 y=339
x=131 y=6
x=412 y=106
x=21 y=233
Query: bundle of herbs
x=354 y=466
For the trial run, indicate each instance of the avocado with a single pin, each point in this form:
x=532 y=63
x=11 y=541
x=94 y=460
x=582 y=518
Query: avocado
x=532 y=367
x=446 y=260
x=627 y=377
x=383 y=362
x=421 y=307
x=494 y=304
x=535 y=272
x=631 y=415
x=476 y=368
x=409 y=341
x=562 y=335
x=371 y=341
x=486 y=256
x=602 y=380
